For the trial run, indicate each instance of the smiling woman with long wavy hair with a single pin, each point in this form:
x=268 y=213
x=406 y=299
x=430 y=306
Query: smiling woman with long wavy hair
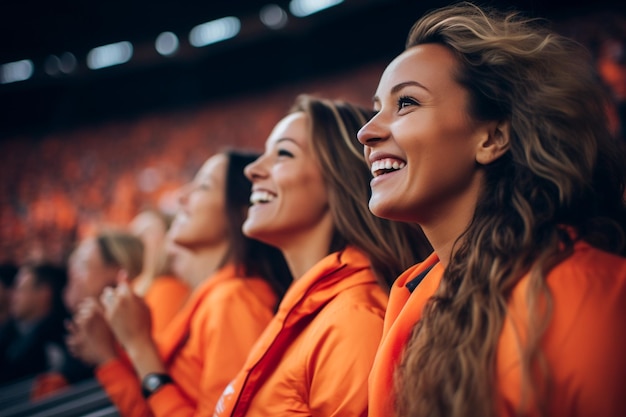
x=506 y=162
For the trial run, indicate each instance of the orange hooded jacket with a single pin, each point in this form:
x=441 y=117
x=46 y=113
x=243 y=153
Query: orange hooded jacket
x=165 y=297
x=203 y=348
x=584 y=345
x=314 y=357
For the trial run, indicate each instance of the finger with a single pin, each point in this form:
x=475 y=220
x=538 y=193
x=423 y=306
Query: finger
x=123 y=289
x=108 y=297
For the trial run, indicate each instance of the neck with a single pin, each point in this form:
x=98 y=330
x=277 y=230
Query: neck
x=303 y=251
x=444 y=229
x=204 y=262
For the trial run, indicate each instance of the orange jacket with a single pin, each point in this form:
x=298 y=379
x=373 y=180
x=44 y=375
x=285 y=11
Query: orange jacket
x=165 y=297
x=314 y=357
x=584 y=345
x=203 y=348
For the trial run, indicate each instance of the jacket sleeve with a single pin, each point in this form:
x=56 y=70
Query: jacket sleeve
x=223 y=332
x=123 y=388
x=340 y=361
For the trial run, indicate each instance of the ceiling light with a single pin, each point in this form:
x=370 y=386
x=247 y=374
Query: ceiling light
x=109 y=55
x=214 y=31
x=166 y=43
x=273 y=16
x=302 y=8
x=16 y=71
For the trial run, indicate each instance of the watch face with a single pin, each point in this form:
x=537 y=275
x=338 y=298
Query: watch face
x=153 y=382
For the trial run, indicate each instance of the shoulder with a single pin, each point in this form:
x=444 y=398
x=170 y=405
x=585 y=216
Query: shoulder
x=239 y=294
x=588 y=271
x=588 y=297
x=168 y=283
x=167 y=286
x=356 y=310
x=236 y=287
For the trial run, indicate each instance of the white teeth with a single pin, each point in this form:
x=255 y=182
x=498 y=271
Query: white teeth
x=261 y=197
x=387 y=164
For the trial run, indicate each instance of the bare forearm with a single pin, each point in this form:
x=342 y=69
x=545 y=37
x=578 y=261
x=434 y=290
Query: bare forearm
x=145 y=358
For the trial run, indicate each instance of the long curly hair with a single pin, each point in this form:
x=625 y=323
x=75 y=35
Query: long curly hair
x=391 y=246
x=561 y=180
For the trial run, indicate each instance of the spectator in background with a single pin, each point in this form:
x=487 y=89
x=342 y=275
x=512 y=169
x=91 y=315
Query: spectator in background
x=162 y=290
x=610 y=53
x=183 y=370
x=309 y=198
x=103 y=260
x=8 y=271
x=32 y=341
x=496 y=131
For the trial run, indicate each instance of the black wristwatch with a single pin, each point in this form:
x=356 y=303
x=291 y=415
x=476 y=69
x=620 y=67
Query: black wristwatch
x=153 y=382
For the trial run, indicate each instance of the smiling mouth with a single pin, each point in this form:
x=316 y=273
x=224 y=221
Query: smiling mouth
x=261 y=197
x=385 y=166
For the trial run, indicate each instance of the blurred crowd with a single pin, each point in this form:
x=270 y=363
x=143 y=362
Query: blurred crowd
x=60 y=187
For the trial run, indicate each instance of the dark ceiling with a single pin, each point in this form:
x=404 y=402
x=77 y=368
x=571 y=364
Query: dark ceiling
x=348 y=35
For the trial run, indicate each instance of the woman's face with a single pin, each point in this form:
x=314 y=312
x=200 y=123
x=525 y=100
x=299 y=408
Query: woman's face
x=201 y=217
x=88 y=274
x=421 y=144
x=289 y=198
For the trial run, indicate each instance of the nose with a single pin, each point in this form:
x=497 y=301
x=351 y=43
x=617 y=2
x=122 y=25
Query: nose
x=254 y=170
x=373 y=131
x=183 y=194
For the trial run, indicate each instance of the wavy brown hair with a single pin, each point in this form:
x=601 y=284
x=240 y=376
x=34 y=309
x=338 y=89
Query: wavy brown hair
x=391 y=246
x=561 y=180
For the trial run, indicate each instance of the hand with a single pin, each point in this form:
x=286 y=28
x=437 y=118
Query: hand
x=90 y=338
x=128 y=316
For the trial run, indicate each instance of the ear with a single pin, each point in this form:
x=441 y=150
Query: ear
x=495 y=143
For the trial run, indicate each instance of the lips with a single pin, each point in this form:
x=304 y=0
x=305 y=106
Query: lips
x=386 y=165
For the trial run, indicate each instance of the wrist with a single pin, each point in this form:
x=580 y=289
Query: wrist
x=139 y=347
x=153 y=382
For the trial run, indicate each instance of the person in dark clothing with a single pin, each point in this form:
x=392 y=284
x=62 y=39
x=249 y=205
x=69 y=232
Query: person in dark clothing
x=32 y=340
x=8 y=271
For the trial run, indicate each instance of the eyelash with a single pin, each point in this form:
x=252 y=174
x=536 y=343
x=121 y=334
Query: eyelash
x=283 y=152
x=405 y=100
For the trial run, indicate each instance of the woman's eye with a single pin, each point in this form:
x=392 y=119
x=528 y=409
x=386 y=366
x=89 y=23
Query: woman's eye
x=404 y=102
x=284 y=152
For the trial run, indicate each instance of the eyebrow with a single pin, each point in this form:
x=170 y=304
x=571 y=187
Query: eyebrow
x=400 y=86
x=288 y=140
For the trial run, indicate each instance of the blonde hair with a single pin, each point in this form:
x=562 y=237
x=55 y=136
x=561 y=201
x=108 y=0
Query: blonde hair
x=562 y=180
x=122 y=250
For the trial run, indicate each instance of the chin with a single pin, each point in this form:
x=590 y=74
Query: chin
x=380 y=209
x=251 y=230
x=389 y=212
x=259 y=233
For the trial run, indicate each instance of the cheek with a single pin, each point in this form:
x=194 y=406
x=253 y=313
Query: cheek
x=311 y=192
